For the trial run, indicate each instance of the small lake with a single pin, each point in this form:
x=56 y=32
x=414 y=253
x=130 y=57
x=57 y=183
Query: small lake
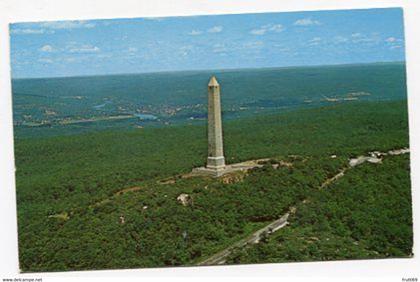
x=146 y=116
x=98 y=107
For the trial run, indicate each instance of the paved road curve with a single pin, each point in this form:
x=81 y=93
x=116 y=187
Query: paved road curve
x=220 y=257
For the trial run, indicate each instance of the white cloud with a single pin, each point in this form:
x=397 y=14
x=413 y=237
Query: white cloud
x=395 y=47
x=195 y=32
x=219 y=48
x=267 y=28
x=215 y=29
x=275 y=28
x=365 y=39
x=68 y=24
x=131 y=51
x=103 y=56
x=340 y=39
x=253 y=45
x=306 y=22
x=259 y=31
x=46 y=48
x=87 y=48
x=186 y=50
x=394 y=43
x=89 y=25
x=361 y=38
x=315 y=41
x=27 y=31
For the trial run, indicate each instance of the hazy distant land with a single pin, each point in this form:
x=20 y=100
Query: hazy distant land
x=54 y=106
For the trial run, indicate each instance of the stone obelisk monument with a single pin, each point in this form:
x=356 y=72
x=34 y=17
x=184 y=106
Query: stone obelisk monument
x=215 y=159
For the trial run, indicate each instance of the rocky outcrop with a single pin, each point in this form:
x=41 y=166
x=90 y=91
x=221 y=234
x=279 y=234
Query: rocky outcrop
x=184 y=199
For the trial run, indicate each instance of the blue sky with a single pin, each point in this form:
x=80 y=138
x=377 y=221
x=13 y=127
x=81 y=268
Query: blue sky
x=73 y=48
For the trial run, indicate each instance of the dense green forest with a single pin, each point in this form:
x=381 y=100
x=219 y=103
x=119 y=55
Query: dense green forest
x=70 y=217
x=358 y=217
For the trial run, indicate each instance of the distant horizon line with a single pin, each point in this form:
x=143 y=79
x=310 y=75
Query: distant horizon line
x=209 y=70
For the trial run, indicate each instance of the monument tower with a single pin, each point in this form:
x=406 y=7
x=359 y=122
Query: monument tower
x=216 y=166
x=215 y=158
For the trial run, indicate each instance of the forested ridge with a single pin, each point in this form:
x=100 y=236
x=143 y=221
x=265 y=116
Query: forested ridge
x=70 y=175
x=359 y=217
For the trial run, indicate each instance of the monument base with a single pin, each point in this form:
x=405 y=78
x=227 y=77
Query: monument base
x=222 y=170
x=216 y=163
x=209 y=171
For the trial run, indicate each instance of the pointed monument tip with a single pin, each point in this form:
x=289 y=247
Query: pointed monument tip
x=213 y=81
